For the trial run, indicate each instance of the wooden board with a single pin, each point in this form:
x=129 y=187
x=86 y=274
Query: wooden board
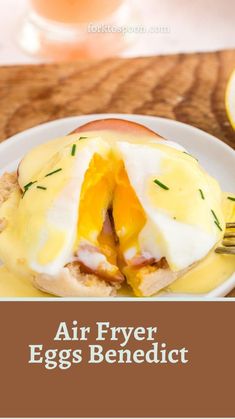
x=186 y=87
x=189 y=88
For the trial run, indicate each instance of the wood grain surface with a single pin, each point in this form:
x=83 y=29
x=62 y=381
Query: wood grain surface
x=186 y=87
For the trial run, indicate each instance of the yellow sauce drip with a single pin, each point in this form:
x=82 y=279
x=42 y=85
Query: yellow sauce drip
x=206 y=276
x=213 y=270
x=14 y=286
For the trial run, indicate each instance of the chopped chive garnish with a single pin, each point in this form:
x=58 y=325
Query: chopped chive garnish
x=185 y=152
x=42 y=187
x=216 y=221
x=73 y=151
x=161 y=184
x=215 y=216
x=201 y=193
x=52 y=173
x=231 y=198
x=82 y=138
x=26 y=187
x=218 y=225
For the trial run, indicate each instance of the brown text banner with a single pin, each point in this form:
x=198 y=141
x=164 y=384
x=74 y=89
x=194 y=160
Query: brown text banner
x=117 y=359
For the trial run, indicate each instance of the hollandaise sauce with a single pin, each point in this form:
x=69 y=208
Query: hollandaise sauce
x=161 y=199
x=212 y=270
x=14 y=286
x=204 y=277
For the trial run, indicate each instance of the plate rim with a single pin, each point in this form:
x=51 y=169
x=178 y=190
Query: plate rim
x=211 y=137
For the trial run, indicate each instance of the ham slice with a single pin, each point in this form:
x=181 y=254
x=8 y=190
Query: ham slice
x=118 y=125
x=92 y=260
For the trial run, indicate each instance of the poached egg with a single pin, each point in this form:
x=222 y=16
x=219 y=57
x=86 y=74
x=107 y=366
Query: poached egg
x=162 y=205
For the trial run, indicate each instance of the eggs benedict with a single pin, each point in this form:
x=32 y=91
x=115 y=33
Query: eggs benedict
x=111 y=203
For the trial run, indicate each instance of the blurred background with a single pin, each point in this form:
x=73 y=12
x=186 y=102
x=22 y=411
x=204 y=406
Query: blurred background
x=35 y=31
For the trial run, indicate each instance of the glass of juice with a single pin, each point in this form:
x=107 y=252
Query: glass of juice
x=69 y=29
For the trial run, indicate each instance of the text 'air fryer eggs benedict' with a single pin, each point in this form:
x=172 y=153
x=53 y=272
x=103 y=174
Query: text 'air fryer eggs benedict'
x=113 y=204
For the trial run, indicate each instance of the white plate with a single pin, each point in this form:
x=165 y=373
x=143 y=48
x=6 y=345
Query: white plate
x=214 y=155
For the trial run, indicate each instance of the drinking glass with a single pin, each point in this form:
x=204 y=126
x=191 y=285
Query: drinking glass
x=70 y=29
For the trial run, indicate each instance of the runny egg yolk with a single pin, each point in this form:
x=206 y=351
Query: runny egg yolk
x=111 y=181
x=95 y=199
x=106 y=186
x=128 y=214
